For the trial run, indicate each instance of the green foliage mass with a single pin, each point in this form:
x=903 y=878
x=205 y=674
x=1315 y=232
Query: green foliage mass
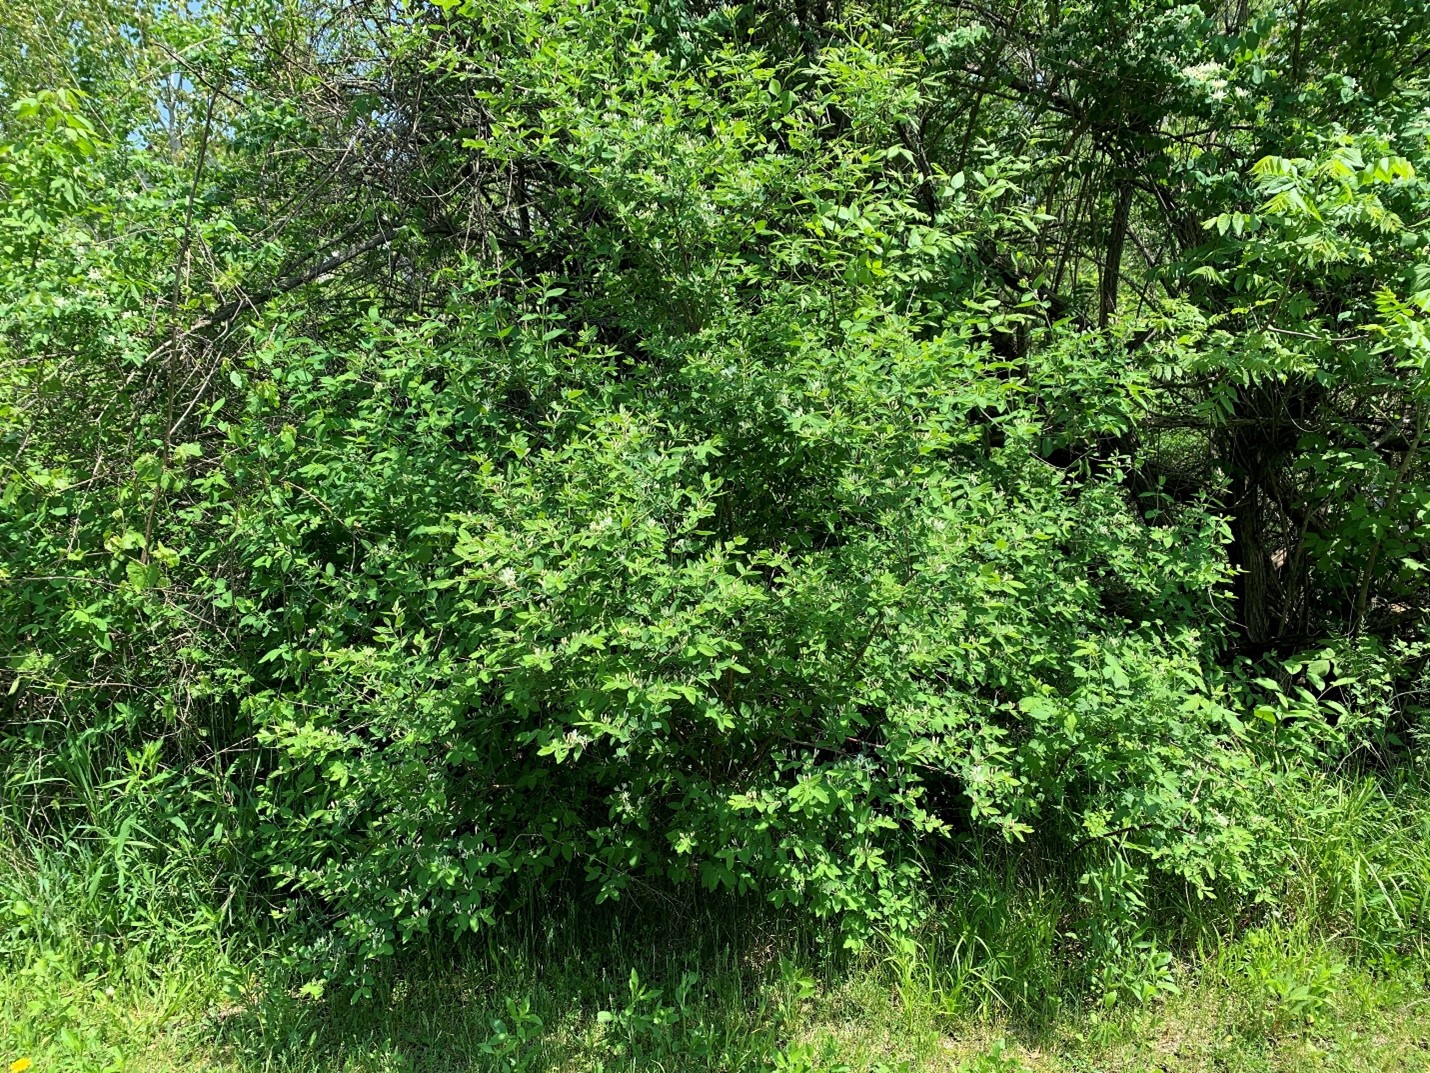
x=460 y=450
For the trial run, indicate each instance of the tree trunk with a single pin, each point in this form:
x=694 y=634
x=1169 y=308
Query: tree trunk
x=1112 y=266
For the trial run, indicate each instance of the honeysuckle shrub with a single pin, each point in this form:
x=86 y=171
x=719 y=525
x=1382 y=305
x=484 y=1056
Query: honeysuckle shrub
x=616 y=443
x=578 y=643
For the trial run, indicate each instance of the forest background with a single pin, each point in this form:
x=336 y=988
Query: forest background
x=800 y=535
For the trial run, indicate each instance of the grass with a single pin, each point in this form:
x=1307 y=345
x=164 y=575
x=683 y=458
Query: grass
x=1333 y=974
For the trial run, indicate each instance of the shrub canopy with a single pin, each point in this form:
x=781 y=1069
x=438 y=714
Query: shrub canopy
x=453 y=448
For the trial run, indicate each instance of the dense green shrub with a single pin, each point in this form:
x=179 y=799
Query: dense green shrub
x=740 y=501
